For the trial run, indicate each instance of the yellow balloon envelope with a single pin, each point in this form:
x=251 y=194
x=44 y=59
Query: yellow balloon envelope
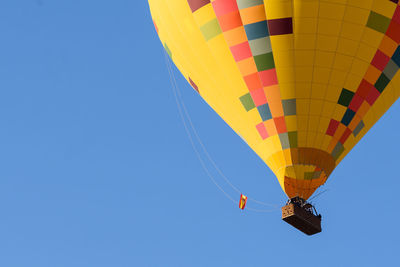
x=302 y=81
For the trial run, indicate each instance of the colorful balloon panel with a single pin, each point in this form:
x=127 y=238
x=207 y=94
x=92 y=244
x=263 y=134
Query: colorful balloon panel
x=301 y=81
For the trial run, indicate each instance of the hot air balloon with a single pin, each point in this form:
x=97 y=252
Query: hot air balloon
x=301 y=81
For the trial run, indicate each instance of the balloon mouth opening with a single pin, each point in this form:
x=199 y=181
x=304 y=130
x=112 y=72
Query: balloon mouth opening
x=302 y=180
x=301 y=171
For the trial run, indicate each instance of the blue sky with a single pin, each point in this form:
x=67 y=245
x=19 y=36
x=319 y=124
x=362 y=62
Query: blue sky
x=97 y=170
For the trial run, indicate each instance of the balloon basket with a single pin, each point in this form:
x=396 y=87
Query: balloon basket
x=302 y=215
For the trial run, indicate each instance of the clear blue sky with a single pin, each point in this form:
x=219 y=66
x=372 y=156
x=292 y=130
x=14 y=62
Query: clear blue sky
x=96 y=168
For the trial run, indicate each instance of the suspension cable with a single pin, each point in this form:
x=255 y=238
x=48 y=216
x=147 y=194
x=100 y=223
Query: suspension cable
x=183 y=112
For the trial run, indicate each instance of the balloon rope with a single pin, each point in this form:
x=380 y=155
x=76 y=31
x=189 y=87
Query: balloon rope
x=173 y=83
x=206 y=151
x=317 y=195
x=184 y=114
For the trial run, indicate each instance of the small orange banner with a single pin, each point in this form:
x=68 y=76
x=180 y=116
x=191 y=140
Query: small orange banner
x=242 y=202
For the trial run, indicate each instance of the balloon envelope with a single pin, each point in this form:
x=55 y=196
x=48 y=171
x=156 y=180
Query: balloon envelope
x=300 y=81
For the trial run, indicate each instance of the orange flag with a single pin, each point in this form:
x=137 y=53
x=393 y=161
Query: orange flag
x=242 y=202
